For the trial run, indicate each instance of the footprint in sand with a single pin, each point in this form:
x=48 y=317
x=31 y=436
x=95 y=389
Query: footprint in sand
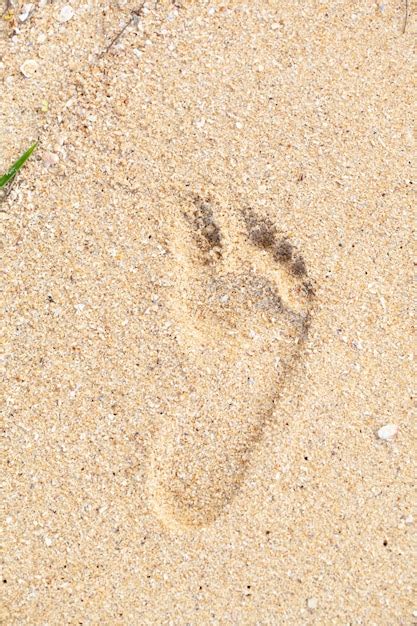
x=243 y=307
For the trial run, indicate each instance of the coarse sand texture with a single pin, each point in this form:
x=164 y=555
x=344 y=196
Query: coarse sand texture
x=208 y=313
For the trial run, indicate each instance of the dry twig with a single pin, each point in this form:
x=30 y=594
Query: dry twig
x=405 y=17
x=135 y=15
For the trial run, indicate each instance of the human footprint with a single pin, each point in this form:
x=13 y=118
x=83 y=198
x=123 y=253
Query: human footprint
x=243 y=309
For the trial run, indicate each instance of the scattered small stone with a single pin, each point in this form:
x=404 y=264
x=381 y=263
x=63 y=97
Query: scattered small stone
x=138 y=53
x=29 y=68
x=49 y=159
x=65 y=14
x=312 y=603
x=26 y=11
x=409 y=519
x=388 y=432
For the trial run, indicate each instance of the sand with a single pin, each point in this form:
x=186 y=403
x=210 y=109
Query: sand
x=208 y=288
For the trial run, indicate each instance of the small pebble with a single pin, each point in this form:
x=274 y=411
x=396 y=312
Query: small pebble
x=26 y=11
x=29 y=68
x=49 y=159
x=409 y=519
x=388 y=432
x=65 y=14
x=312 y=603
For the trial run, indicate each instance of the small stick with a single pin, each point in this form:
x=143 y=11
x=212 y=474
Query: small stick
x=136 y=13
x=405 y=17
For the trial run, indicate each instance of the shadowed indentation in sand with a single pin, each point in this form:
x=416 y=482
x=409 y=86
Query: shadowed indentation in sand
x=243 y=309
x=206 y=231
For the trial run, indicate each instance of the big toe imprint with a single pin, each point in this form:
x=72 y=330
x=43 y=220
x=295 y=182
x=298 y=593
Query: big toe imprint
x=242 y=306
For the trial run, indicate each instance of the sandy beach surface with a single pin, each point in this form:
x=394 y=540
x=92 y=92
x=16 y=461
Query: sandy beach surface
x=207 y=274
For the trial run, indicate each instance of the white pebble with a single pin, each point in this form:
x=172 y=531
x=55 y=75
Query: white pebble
x=26 y=11
x=312 y=603
x=65 y=14
x=388 y=432
x=49 y=159
x=29 y=68
x=409 y=519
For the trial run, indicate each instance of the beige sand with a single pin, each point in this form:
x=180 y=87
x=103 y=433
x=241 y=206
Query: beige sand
x=208 y=313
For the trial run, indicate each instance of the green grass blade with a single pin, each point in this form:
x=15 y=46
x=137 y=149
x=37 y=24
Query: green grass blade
x=17 y=165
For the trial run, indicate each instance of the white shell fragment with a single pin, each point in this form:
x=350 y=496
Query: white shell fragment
x=49 y=159
x=26 y=11
x=65 y=14
x=312 y=603
x=29 y=68
x=388 y=432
